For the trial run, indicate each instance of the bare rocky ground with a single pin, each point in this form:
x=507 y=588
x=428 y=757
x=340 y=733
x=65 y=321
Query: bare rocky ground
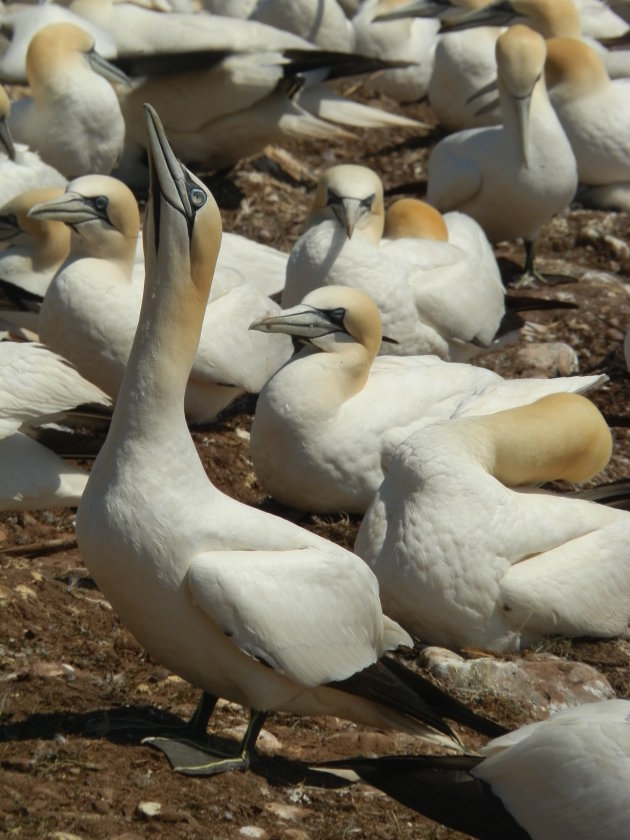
x=66 y=663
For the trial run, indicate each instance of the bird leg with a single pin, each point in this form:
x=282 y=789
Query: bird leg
x=190 y=753
x=531 y=276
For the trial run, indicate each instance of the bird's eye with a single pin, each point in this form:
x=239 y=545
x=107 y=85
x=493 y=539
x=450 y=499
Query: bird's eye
x=197 y=197
x=367 y=202
x=100 y=203
x=332 y=198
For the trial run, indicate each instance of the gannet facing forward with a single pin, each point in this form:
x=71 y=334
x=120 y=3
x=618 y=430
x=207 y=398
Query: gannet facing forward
x=35 y=387
x=245 y=605
x=327 y=422
x=567 y=776
x=73 y=118
x=512 y=178
x=595 y=115
x=90 y=311
x=434 y=296
x=467 y=553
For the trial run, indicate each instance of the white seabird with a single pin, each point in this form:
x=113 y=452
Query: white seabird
x=242 y=604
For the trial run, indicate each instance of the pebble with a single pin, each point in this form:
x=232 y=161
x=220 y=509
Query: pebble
x=253 y=831
x=287 y=812
x=148 y=810
x=553 y=358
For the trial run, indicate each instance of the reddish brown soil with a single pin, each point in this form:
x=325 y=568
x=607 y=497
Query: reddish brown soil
x=66 y=663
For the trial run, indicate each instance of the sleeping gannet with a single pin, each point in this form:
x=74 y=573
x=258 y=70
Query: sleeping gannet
x=567 y=776
x=31 y=250
x=595 y=115
x=512 y=178
x=434 y=296
x=244 y=605
x=20 y=168
x=327 y=422
x=37 y=385
x=469 y=553
x=72 y=118
x=91 y=308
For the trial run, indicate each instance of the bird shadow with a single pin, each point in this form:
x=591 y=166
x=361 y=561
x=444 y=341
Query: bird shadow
x=116 y=724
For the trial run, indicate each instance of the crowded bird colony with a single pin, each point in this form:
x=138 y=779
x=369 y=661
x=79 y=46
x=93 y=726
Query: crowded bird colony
x=130 y=321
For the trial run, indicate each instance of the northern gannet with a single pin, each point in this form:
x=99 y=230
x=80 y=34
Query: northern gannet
x=73 y=117
x=36 y=386
x=20 y=168
x=327 y=422
x=242 y=604
x=512 y=178
x=31 y=250
x=468 y=553
x=91 y=308
x=322 y=22
x=567 y=776
x=434 y=296
x=595 y=115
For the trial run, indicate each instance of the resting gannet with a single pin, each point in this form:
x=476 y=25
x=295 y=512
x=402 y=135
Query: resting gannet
x=434 y=296
x=20 y=168
x=31 y=249
x=37 y=385
x=242 y=604
x=567 y=776
x=512 y=178
x=595 y=115
x=468 y=553
x=91 y=308
x=327 y=422
x=73 y=118
x=322 y=22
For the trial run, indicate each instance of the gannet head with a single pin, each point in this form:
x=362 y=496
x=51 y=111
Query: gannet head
x=571 y=61
x=409 y=217
x=520 y=56
x=353 y=197
x=329 y=317
x=102 y=213
x=5 y=134
x=61 y=48
x=52 y=237
x=182 y=231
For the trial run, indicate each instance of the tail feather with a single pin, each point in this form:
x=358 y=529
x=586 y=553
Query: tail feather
x=440 y=787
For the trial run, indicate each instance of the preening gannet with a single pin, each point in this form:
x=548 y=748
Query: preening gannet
x=244 y=605
x=512 y=178
x=73 y=118
x=567 y=776
x=434 y=296
x=90 y=311
x=468 y=553
x=595 y=115
x=35 y=387
x=20 y=168
x=31 y=249
x=327 y=422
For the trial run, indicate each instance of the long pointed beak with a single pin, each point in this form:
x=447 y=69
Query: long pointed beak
x=69 y=207
x=418 y=8
x=521 y=105
x=302 y=321
x=107 y=70
x=167 y=174
x=349 y=211
x=6 y=139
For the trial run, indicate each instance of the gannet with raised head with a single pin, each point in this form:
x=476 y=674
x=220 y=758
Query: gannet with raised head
x=20 y=168
x=595 y=115
x=242 y=604
x=72 y=118
x=90 y=311
x=36 y=386
x=431 y=298
x=327 y=422
x=32 y=250
x=468 y=553
x=567 y=776
x=512 y=178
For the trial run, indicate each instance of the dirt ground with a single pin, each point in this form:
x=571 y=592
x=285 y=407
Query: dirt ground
x=67 y=664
